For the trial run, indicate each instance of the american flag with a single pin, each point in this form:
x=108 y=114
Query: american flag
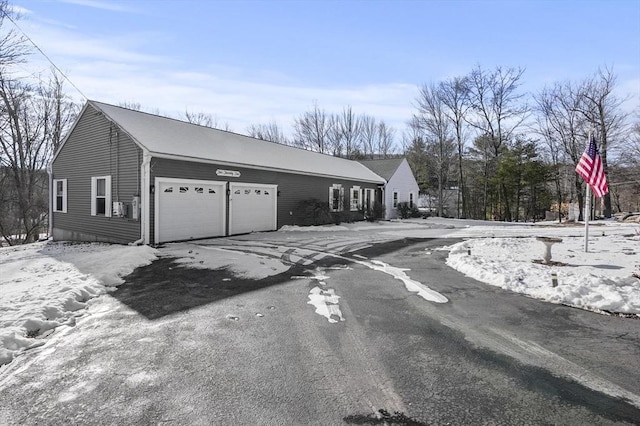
x=590 y=169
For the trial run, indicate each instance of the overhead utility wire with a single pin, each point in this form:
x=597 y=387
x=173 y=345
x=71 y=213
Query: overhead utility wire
x=44 y=54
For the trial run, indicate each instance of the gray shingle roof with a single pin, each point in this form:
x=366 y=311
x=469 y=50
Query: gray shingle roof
x=168 y=137
x=384 y=167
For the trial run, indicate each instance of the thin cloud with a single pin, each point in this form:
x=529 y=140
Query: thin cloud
x=114 y=7
x=236 y=101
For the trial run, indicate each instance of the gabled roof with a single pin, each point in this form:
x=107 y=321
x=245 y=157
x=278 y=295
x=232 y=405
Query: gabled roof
x=170 y=138
x=385 y=168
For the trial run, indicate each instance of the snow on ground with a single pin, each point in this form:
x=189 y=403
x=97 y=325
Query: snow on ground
x=504 y=254
x=600 y=279
x=251 y=266
x=47 y=285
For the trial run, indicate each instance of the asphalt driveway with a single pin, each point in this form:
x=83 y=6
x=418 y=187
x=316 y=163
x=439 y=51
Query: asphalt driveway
x=326 y=341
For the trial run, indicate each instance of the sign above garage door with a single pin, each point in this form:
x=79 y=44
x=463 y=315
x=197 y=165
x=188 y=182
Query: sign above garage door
x=228 y=173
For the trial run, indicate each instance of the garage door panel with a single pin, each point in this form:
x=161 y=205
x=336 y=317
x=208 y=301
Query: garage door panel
x=188 y=209
x=252 y=208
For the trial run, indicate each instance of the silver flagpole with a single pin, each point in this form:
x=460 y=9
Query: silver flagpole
x=587 y=208
x=587 y=213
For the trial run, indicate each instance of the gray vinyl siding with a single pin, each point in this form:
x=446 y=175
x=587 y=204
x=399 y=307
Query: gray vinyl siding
x=96 y=147
x=292 y=188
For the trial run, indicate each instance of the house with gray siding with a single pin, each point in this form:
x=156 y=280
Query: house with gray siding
x=127 y=176
x=401 y=185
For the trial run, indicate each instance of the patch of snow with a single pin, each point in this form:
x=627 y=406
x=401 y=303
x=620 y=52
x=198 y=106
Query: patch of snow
x=600 y=279
x=411 y=285
x=47 y=285
x=246 y=265
x=326 y=303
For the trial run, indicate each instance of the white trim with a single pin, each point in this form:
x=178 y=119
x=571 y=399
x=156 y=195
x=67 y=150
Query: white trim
x=50 y=176
x=145 y=211
x=64 y=195
x=340 y=200
x=107 y=195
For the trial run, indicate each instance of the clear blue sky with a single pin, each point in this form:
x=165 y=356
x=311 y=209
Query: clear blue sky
x=256 y=61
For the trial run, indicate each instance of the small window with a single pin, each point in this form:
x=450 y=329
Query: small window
x=258 y=192
x=101 y=196
x=198 y=190
x=60 y=195
x=212 y=191
x=237 y=192
x=355 y=199
x=266 y=192
x=336 y=198
x=411 y=200
x=395 y=199
x=169 y=189
x=184 y=189
x=247 y=191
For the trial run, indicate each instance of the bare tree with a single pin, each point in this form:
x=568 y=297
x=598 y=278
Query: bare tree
x=434 y=124
x=268 y=132
x=57 y=109
x=634 y=141
x=135 y=106
x=415 y=151
x=454 y=95
x=602 y=109
x=369 y=135
x=498 y=107
x=562 y=128
x=33 y=120
x=313 y=129
x=206 y=120
x=347 y=130
x=386 y=140
x=498 y=111
x=199 y=118
x=13 y=46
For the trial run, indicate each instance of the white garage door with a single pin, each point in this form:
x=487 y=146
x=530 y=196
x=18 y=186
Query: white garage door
x=252 y=208
x=188 y=209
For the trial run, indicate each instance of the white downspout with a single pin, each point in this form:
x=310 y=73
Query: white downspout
x=144 y=199
x=50 y=225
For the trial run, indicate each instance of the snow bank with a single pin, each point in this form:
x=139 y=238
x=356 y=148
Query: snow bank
x=601 y=279
x=47 y=285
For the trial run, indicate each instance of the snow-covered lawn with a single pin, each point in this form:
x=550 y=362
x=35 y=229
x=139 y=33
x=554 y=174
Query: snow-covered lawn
x=598 y=280
x=46 y=286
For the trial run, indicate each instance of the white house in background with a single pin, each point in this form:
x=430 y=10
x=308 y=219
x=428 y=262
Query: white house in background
x=401 y=184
